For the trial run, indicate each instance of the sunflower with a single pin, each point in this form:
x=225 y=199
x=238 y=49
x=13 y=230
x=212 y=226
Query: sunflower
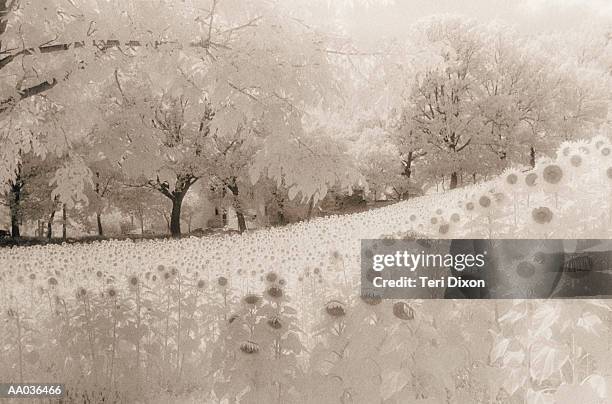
x=251 y=299
x=275 y=323
x=511 y=179
x=576 y=161
x=552 y=174
x=81 y=292
x=525 y=269
x=531 y=180
x=335 y=308
x=249 y=347
x=552 y=178
x=371 y=299
x=485 y=203
x=275 y=292
x=542 y=215
x=133 y=282
x=403 y=311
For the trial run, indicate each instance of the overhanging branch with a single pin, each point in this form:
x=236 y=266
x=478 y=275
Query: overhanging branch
x=26 y=93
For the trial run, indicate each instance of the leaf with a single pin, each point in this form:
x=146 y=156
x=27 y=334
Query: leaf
x=538 y=397
x=572 y=394
x=292 y=193
x=514 y=380
x=598 y=384
x=392 y=382
x=513 y=358
x=589 y=322
x=547 y=359
x=499 y=349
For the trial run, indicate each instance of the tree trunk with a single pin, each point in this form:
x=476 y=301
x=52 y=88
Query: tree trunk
x=239 y=214
x=280 y=203
x=64 y=222
x=175 y=216
x=408 y=166
x=4 y=11
x=99 y=221
x=15 y=207
x=310 y=208
x=183 y=183
x=141 y=219
x=241 y=222
x=50 y=226
x=454 y=180
x=532 y=157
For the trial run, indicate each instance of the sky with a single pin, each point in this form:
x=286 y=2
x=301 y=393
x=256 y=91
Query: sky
x=529 y=16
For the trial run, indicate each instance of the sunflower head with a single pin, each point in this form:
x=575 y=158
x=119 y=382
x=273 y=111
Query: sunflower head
x=542 y=215
x=552 y=174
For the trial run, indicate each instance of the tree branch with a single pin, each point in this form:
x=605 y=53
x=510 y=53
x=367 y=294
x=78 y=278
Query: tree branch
x=28 y=92
x=250 y=23
x=458 y=149
x=163 y=188
x=101 y=45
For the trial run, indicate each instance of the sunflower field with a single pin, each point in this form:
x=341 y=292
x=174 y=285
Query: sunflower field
x=275 y=315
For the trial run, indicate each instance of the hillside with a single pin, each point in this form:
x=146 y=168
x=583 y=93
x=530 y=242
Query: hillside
x=280 y=307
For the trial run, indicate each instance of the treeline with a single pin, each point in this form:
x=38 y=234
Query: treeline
x=266 y=120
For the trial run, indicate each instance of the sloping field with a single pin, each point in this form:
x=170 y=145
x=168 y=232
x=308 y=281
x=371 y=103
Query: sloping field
x=275 y=316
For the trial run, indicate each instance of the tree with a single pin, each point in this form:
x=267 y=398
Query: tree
x=260 y=64
x=29 y=196
x=163 y=149
x=142 y=203
x=488 y=99
x=105 y=181
x=386 y=174
x=443 y=104
x=38 y=202
x=170 y=122
x=232 y=155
